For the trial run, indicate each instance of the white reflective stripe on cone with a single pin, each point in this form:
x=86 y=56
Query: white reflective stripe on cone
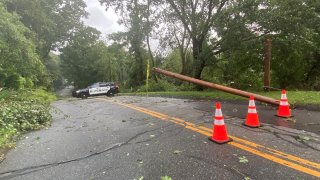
x=284 y=103
x=283 y=96
x=252 y=110
x=251 y=103
x=219 y=122
x=218 y=113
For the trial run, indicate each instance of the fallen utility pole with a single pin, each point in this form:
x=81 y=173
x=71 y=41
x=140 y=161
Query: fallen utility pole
x=217 y=86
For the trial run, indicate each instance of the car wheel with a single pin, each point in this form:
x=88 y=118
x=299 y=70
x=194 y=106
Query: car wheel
x=84 y=96
x=110 y=94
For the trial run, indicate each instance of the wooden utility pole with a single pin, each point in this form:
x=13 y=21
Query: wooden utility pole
x=267 y=62
x=217 y=86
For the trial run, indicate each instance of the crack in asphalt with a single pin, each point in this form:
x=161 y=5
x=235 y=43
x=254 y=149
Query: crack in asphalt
x=31 y=169
x=276 y=127
x=179 y=131
x=299 y=142
x=295 y=136
x=220 y=165
x=27 y=170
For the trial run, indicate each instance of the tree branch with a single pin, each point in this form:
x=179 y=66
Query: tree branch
x=183 y=19
x=210 y=20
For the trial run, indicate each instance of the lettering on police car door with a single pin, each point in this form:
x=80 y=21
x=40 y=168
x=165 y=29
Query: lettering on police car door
x=99 y=90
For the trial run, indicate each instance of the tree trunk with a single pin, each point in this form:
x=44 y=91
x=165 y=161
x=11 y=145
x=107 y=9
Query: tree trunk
x=198 y=61
x=183 y=61
x=267 y=61
x=141 y=68
x=148 y=43
x=152 y=59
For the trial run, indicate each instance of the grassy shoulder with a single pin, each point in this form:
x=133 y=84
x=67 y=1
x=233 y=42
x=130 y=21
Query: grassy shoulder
x=23 y=111
x=295 y=97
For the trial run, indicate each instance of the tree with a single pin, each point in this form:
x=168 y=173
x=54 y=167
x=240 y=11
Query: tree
x=53 y=21
x=53 y=64
x=175 y=36
x=76 y=58
x=86 y=59
x=295 y=32
x=139 y=18
x=19 y=62
x=197 y=17
x=122 y=62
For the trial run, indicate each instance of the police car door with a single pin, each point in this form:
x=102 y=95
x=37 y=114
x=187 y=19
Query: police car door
x=99 y=89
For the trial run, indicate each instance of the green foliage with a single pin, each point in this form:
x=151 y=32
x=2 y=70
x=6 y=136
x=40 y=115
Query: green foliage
x=5 y=135
x=138 y=17
x=240 y=68
x=87 y=59
x=35 y=95
x=28 y=83
x=161 y=85
x=18 y=57
x=13 y=81
x=22 y=111
x=165 y=85
x=172 y=62
x=166 y=178
x=3 y=77
x=30 y=29
x=23 y=115
x=79 y=58
x=227 y=43
x=53 y=64
x=227 y=40
x=295 y=97
x=52 y=21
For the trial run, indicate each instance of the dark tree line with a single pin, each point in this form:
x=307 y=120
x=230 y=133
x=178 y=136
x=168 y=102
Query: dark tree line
x=214 y=40
x=226 y=38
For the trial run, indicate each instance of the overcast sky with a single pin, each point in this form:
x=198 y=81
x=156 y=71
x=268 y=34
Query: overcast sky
x=99 y=18
x=106 y=21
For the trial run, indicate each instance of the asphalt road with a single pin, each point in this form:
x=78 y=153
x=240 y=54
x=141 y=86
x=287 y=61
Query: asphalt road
x=150 y=137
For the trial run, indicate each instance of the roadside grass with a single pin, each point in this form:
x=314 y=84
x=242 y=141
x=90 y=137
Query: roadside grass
x=22 y=111
x=294 y=97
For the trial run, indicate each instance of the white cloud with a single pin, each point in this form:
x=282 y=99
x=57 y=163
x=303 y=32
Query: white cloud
x=99 y=18
x=106 y=21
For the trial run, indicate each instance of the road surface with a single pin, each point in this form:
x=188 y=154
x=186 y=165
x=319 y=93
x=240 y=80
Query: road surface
x=151 y=137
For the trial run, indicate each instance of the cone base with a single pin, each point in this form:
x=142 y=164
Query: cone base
x=220 y=142
x=284 y=116
x=252 y=126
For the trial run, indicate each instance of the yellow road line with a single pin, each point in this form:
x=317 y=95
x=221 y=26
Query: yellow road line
x=206 y=131
x=277 y=160
x=252 y=144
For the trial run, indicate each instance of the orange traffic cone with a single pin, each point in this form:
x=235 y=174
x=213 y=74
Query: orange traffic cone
x=252 y=116
x=219 y=134
x=284 y=107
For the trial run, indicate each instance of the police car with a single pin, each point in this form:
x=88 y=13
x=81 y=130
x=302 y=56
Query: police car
x=97 y=89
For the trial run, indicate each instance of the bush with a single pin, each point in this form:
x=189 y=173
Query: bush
x=23 y=116
x=187 y=86
x=13 y=81
x=3 y=77
x=34 y=95
x=22 y=111
x=164 y=85
x=28 y=83
x=161 y=85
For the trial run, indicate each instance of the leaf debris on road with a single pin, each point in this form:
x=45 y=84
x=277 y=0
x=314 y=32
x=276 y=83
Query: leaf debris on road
x=243 y=159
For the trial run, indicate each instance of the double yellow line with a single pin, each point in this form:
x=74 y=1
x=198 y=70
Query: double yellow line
x=276 y=156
